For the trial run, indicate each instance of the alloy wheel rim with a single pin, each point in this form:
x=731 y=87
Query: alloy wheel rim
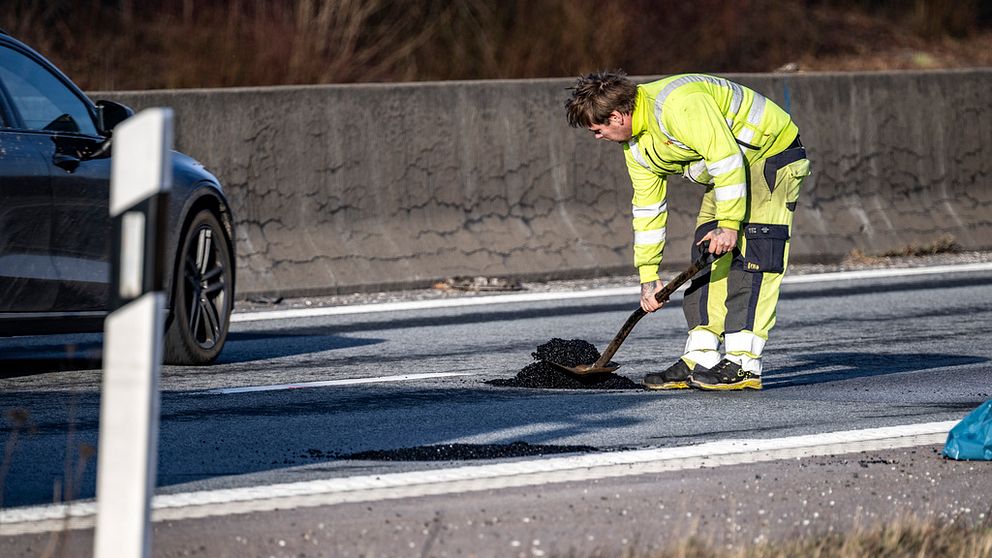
x=206 y=292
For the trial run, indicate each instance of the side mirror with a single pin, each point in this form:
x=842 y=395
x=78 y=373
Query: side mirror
x=110 y=114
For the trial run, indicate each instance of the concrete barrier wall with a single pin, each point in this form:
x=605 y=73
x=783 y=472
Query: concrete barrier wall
x=355 y=187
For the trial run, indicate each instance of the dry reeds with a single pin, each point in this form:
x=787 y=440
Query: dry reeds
x=902 y=538
x=944 y=244
x=124 y=44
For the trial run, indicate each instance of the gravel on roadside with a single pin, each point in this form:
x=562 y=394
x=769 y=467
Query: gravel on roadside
x=443 y=291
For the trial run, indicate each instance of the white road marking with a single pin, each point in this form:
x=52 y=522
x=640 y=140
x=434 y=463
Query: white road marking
x=493 y=476
x=884 y=273
x=592 y=293
x=325 y=383
x=427 y=304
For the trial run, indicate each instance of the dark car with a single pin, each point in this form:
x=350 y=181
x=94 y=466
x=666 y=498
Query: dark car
x=55 y=155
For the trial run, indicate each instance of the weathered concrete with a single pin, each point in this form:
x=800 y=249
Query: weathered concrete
x=352 y=187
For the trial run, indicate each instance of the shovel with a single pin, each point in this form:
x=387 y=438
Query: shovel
x=603 y=364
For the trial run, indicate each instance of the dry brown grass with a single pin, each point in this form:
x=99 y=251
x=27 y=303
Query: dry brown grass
x=904 y=538
x=857 y=257
x=944 y=244
x=125 y=44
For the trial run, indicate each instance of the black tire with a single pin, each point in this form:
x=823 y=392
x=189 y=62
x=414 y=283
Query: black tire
x=203 y=293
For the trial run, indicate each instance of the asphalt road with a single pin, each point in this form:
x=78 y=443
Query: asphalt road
x=844 y=355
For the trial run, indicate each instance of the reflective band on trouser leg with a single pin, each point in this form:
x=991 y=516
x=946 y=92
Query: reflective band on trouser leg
x=745 y=348
x=649 y=211
x=642 y=238
x=702 y=348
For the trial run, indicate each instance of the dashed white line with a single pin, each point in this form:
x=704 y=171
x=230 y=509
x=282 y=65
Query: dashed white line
x=592 y=293
x=456 y=480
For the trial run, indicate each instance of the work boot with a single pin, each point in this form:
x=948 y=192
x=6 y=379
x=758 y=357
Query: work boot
x=675 y=377
x=726 y=375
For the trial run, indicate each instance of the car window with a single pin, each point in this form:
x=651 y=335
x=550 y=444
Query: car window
x=43 y=101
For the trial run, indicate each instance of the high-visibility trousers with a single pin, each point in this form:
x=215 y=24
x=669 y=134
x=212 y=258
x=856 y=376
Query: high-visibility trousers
x=735 y=299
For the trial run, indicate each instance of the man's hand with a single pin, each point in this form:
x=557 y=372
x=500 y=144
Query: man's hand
x=648 y=303
x=721 y=240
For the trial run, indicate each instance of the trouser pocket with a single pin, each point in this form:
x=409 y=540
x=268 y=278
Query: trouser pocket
x=783 y=174
x=797 y=172
x=764 y=250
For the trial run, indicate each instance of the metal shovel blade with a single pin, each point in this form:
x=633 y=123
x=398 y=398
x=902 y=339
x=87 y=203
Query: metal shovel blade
x=586 y=369
x=604 y=365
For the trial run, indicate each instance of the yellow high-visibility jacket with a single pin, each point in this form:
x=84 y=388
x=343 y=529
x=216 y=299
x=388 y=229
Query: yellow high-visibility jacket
x=708 y=129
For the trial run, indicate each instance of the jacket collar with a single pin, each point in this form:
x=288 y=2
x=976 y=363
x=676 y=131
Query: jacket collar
x=642 y=111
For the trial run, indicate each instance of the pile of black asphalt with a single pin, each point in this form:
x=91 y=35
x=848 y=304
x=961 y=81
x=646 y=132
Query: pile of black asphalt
x=571 y=352
x=460 y=452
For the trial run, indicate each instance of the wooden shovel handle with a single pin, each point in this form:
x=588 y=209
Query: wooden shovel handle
x=661 y=296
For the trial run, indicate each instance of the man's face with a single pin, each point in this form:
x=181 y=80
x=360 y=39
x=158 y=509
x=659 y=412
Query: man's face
x=617 y=128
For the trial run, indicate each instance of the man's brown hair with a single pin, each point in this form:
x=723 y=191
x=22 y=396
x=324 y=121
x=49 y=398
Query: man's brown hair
x=595 y=96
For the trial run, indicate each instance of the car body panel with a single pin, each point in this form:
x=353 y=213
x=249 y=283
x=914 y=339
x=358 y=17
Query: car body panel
x=80 y=203
x=54 y=217
x=27 y=275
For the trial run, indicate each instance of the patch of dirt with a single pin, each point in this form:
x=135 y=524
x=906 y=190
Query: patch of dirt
x=459 y=452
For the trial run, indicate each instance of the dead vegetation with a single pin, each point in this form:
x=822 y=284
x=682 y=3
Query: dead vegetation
x=906 y=537
x=124 y=44
x=944 y=244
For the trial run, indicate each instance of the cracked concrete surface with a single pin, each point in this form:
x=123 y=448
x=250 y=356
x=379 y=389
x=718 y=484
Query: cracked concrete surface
x=354 y=187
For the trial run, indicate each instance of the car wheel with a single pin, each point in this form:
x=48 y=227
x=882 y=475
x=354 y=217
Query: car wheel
x=203 y=294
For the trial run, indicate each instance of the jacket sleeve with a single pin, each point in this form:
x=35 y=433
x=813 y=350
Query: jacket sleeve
x=650 y=217
x=696 y=121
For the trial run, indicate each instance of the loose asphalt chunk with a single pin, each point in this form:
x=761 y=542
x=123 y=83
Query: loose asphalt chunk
x=570 y=352
x=457 y=452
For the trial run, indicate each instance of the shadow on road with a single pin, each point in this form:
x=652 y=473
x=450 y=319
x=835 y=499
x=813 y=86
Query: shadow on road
x=31 y=359
x=209 y=436
x=261 y=345
x=27 y=360
x=206 y=436
x=818 y=368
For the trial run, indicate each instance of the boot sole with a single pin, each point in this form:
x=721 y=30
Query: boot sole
x=668 y=385
x=736 y=386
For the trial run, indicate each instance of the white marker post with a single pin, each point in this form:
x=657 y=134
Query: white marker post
x=141 y=176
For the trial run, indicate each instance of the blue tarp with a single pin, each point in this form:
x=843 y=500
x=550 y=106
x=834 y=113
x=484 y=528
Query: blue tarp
x=972 y=437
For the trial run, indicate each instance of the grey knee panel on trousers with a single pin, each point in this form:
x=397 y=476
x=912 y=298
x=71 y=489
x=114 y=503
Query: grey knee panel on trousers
x=696 y=296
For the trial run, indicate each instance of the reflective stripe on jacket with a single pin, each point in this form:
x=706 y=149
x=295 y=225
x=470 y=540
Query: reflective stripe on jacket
x=708 y=129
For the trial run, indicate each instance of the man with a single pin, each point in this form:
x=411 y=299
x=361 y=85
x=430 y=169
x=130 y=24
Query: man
x=746 y=151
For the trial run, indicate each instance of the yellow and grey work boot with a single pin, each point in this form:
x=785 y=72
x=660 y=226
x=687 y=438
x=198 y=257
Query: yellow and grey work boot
x=675 y=377
x=726 y=375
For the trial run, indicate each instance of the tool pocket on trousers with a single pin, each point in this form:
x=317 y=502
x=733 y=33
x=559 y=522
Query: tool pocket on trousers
x=765 y=247
x=798 y=172
x=783 y=167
